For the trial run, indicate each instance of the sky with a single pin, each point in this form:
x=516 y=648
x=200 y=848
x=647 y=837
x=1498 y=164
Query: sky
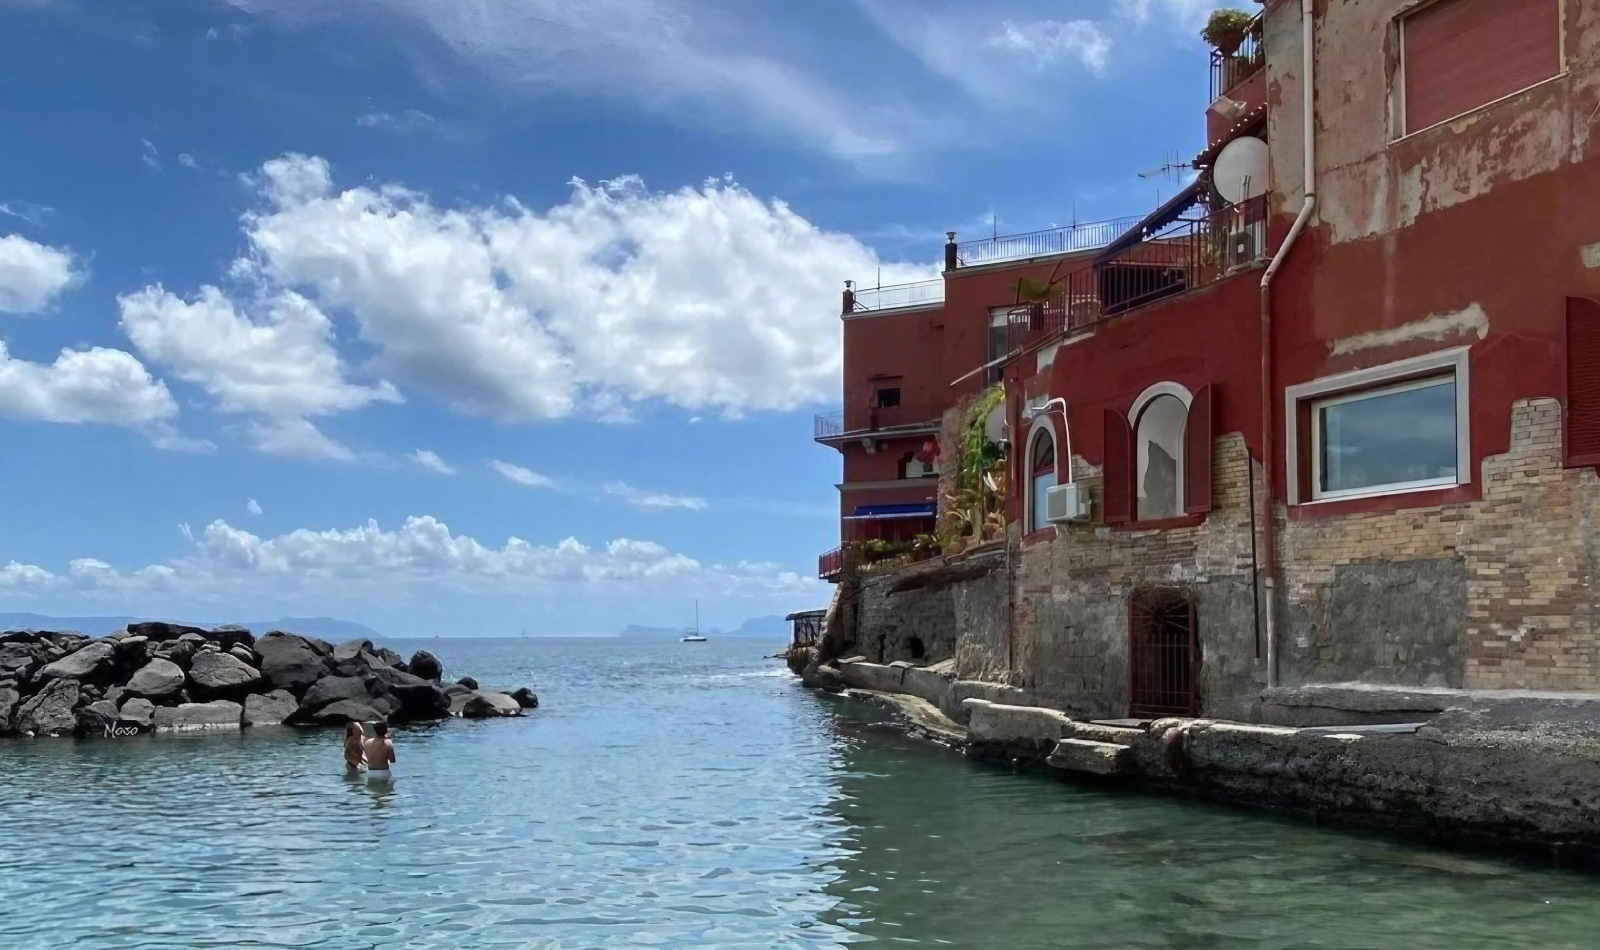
x=473 y=317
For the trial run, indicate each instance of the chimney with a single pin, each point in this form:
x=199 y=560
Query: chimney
x=950 y=261
x=849 y=297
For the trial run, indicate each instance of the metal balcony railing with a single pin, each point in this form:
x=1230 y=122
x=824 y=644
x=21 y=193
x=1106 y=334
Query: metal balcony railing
x=1016 y=247
x=1189 y=254
x=831 y=564
x=874 y=419
x=1230 y=69
x=826 y=425
x=916 y=294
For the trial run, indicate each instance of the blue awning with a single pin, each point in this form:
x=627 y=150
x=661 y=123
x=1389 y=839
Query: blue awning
x=916 y=509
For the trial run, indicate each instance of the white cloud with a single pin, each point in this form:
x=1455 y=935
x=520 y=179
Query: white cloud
x=32 y=275
x=704 y=298
x=187 y=160
x=149 y=154
x=522 y=476
x=407 y=121
x=27 y=211
x=432 y=462
x=82 y=386
x=653 y=501
x=1050 y=41
x=252 y=506
x=296 y=438
x=1184 y=14
x=226 y=560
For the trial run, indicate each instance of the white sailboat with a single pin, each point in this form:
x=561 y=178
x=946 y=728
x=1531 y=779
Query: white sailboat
x=694 y=637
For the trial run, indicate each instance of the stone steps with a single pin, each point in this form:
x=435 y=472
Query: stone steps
x=1091 y=757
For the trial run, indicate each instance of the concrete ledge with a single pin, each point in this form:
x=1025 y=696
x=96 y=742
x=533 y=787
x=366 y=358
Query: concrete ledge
x=873 y=676
x=1028 y=726
x=1093 y=758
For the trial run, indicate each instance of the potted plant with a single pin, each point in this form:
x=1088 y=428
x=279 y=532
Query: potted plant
x=1226 y=30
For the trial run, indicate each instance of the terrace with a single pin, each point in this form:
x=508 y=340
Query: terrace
x=922 y=293
x=1020 y=247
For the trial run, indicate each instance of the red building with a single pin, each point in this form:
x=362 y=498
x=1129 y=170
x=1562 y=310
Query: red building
x=1333 y=413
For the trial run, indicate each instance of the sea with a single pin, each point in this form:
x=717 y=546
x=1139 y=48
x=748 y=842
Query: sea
x=676 y=795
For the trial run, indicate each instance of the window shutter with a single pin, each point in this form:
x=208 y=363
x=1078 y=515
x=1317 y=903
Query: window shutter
x=1117 y=470
x=1197 y=454
x=1461 y=54
x=1582 y=411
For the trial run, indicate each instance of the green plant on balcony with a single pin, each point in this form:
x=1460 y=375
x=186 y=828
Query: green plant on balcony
x=1029 y=290
x=1227 y=29
x=976 y=506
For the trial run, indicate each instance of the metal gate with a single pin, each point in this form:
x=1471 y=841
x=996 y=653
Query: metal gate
x=1163 y=654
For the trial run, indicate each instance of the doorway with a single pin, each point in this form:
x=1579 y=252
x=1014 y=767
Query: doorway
x=1163 y=654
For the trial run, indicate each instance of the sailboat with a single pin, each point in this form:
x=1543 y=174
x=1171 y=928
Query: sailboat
x=694 y=637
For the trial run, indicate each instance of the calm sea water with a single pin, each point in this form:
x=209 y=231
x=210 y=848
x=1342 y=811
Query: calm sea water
x=679 y=795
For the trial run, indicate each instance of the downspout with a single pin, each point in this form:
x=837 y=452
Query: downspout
x=1308 y=118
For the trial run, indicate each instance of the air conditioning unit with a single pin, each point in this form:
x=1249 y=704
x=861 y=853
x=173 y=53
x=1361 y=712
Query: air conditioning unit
x=1065 y=503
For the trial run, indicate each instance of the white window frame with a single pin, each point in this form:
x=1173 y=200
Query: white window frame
x=1370 y=382
x=1136 y=416
x=1041 y=426
x=1318 y=493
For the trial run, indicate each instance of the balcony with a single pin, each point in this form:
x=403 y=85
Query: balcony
x=831 y=564
x=893 y=297
x=1229 y=71
x=1021 y=247
x=1185 y=255
x=833 y=428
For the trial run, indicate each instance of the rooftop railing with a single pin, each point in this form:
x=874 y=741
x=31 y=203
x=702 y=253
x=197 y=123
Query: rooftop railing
x=1017 y=247
x=874 y=419
x=1230 y=69
x=828 y=424
x=916 y=294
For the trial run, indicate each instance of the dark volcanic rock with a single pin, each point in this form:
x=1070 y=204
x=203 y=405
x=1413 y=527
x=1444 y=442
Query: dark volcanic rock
x=269 y=709
x=415 y=697
x=489 y=705
x=346 y=710
x=50 y=711
x=289 y=662
x=526 y=698
x=158 y=679
x=81 y=664
x=426 y=665
x=390 y=658
x=218 y=674
x=333 y=689
x=138 y=712
x=176 y=651
x=217 y=714
x=231 y=635
x=97 y=718
x=8 y=706
x=160 y=631
x=244 y=654
x=348 y=649
x=468 y=682
x=19 y=659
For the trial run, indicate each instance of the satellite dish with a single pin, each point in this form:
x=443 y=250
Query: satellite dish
x=1240 y=171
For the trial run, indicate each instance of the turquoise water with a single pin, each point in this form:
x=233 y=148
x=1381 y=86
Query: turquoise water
x=691 y=796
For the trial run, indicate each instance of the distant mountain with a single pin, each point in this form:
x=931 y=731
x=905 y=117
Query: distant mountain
x=772 y=625
x=326 y=628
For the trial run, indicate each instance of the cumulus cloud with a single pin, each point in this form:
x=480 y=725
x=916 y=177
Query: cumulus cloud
x=226 y=559
x=97 y=385
x=431 y=461
x=297 y=438
x=526 y=477
x=32 y=275
x=1050 y=41
x=653 y=501
x=252 y=506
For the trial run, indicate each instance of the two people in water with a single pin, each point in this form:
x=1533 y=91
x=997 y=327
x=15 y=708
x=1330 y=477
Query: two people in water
x=373 y=755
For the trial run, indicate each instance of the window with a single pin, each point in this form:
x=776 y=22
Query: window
x=1458 y=55
x=1041 y=476
x=913 y=467
x=1395 y=428
x=998 y=344
x=1389 y=439
x=1159 y=448
x=887 y=398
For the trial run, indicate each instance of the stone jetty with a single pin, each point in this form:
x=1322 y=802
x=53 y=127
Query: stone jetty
x=169 y=677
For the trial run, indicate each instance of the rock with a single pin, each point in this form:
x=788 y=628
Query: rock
x=456 y=689
x=526 y=698
x=159 y=631
x=175 y=651
x=209 y=647
x=116 y=694
x=97 y=719
x=348 y=649
x=157 y=679
x=19 y=659
x=269 y=709
x=289 y=662
x=132 y=651
x=489 y=705
x=468 y=682
x=361 y=664
x=138 y=712
x=89 y=693
x=81 y=664
x=323 y=647
x=346 y=710
x=390 y=658
x=426 y=665
x=231 y=635
x=217 y=714
x=415 y=697
x=333 y=689
x=49 y=712
x=244 y=654
x=458 y=701
x=8 y=705
x=218 y=674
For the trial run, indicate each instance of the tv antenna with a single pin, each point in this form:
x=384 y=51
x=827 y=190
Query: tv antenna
x=1171 y=169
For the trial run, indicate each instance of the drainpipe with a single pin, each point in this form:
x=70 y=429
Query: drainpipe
x=1308 y=118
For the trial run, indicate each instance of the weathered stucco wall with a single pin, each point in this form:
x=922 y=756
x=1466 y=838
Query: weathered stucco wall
x=931 y=613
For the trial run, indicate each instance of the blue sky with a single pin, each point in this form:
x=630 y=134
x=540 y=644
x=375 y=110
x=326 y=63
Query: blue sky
x=454 y=318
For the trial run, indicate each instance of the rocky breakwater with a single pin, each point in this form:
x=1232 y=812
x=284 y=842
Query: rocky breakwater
x=168 y=677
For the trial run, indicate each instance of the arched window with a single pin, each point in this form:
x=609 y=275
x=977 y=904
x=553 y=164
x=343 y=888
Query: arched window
x=1158 y=455
x=1041 y=475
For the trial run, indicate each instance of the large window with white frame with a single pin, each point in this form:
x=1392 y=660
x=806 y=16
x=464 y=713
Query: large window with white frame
x=1041 y=477
x=1158 y=457
x=1396 y=428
